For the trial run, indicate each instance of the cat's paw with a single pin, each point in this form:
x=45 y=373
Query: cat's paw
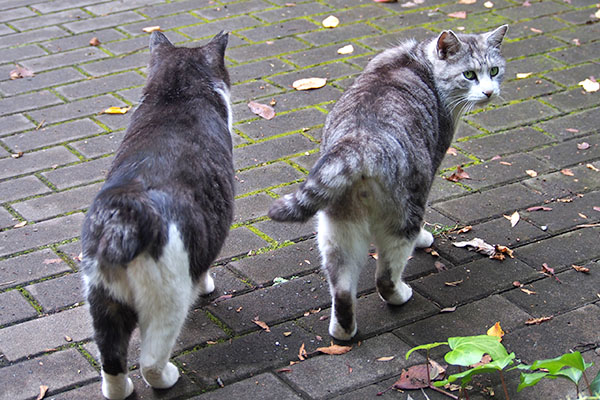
x=338 y=332
x=206 y=284
x=161 y=379
x=424 y=240
x=116 y=387
x=401 y=294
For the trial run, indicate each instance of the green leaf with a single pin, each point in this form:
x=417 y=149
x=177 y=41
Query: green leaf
x=428 y=346
x=467 y=376
x=553 y=365
x=595 y=385
x=528 y=380
x=468 y=350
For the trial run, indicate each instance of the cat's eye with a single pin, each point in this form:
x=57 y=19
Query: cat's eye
x=470 y=75
x=494 y=71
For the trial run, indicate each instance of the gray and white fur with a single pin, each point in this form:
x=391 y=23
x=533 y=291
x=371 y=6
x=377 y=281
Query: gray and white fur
x=382 y=145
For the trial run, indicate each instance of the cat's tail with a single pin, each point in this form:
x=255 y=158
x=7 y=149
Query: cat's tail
x=122 y=223
x=329 y=178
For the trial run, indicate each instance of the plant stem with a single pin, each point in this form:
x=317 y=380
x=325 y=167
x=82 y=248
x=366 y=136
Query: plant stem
x=587 y=383
x=503 y=385
x=437 y=389
x=429 y=377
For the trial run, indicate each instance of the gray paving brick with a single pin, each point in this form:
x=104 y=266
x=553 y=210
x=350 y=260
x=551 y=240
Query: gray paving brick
x=231 y=25
x=229 y=10
x=572 y=100
x=58 y=370
x=557 y=185
x=522 y=89
x=28 y=101
x=79 y=174
x=82 y=40
x=532 y=27
x=101 y=85
x=240 y=241
x=315 y=56
x=567 y=153
x=284 y=301
x=258 y=70
x=38 y=335
x=258 y=153
x=103 y=22
x=14 y=308
x=284 y=232
x=19 y=53
x=535 y=64
x=512 y=115
x=99 y=145
x=296 y=11
x=491 y=203
x=6 y=219
x=76 y=109
x=255 y=179
x=52 y=135
x=251 y=207
x=263 y=50
x=33 y=36
x=253 y=90
x=324 y=375
x=57 y=293
x=15 y=123
x=537 y=9
x=119 y=5
x=578 y=124
x=262 y=386
x=296 y=259
x=165 y=23
x=245 y=356
x=112 y=65
x=15 y=13
x=583 y=34
x=578 y=54
x=283 y=29
x=41 y=81
x=48 y=7
x=282 y=123
x=328 y=71
x=527 y=47
x=73 y=57
x=49 y=19
x=171 y=8
x=29 y=267
x=40 y=234
x=35 y=161
x=512 y=141
x=340 y=35
x=572 y=76
x=442 y=189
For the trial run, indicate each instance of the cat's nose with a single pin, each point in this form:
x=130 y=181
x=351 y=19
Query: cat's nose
x=488 y=93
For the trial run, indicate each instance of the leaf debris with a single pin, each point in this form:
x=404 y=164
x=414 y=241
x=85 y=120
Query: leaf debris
x=537 y=321
x=262 y=110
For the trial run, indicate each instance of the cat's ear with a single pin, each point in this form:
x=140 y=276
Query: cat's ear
x=448 y=44
x=158 y=39
x=214 y=51
x=494 y=38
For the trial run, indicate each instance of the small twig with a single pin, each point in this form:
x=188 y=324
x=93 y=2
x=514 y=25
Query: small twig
x=503 y=385
x=437 y=389
x=425 y=394
x=587 y=383
x=7 y=283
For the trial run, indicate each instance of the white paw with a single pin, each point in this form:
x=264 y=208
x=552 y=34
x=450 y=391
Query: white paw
x=338 y=332
x=206 y=284
x=425 y=239
x=161 y=379
x=116 y=387
x=401 y=295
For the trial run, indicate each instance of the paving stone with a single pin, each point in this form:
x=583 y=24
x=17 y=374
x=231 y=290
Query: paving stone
x=122 y=47
x=531 y=46
x=76 y=109
x=101 y=85
x=478 y=279
x=262 y=386
x=103 y=22
x=567 y=153
x=558 y=185
x=40 y=81
x=16 y=13
x=584 y=123
x=240 y=241
x=572 y=100
x=328 y=71
x=537 y=9
x=264 y=50
x=62 y=369
x=299 y=10
x=245 y=356
x=58 y=293
x=340 y=34
x=512 y=115
x=99 y=145
x=315 y=56
x=574 y=247
x=14 y=123
x=251 y=207
x=452 y=161
x=283 y=301
x=284 y=232
x=46 y=136
x=40 y=234
x=19 y=188
x=35 y=161
x=578 y=16
x=29 y=267
x=26 y=102
x=118 y=5
x=324 y=375
x=256 y=178
x=256 y=154
x=79 y=174
x=111 y=65
x=253 y=90
x=258 y=70
x=165 y=23
x=522 y=89
x=491 y=203
x=513 y=141
x=6 y=219
x=14 y=308
x=33 y=36
x=578 y=54
x=532 y=27
x=45 y=7
x=117 y=122
x=572 y=76
x=383 y=390
x=18 y=53
x=50 y=19
x=82 y=40
x=366 y=12
x=296 y=259
x=442 y=189
x=158 y=10
x=535 y=64
x=282 y=29
x=583 y=34
x=38 y=335
x=555 y=337
x=289 y=122
x=73 y=57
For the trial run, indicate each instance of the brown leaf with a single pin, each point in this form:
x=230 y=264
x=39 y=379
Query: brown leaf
x=262 y=110
x=458 y=175
x=387 y=358
x=43 y=391
x=448 y=309
x=517 y=284
x=94 y=41
x=486 y=359
x=464 y=229
x=572 y=130
x=309 y=83
x=416 y=376
x=68 y=338
x=222 y=298
x=595 y=208
x=513 y=218
x=453 y=284
x=262 y=325
x=52 y=261
x=334 y=349
x=590 y=166
x=549 y=271
x=149 y=29
x=284 y=370
x=495 y=330
x=527 y=291
x=583 y=146
x=458 y=14
x=479 y=245
x=579 y=268
x=452 y=151
x=504 y=250
x=531 y=173
x=505 y=163
x=539 y=208
x=467 y=1
x=567 y=172
x=537 y=321
x=21 y=72
x=535 y=30
x=302 y=353
x=17 y=155
x=20 y=224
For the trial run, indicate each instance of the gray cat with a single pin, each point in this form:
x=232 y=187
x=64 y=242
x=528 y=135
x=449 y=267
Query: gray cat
x=382 y=145
x=163 y=214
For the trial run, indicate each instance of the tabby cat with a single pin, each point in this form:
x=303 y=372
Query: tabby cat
x=382 y=145
x=163 y=214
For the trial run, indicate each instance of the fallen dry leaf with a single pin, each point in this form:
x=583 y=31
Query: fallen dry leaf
x=567 y=172
x=416 y=376
x=116 y=110
x=596 y=208
x=549 y=271
x=488 y=4
x=52 y=261
x=20 y=72
x=527 y=291
x=523 y=75
x=479 y=245
x=579 y=268
x=286 y=334
x=452 y=151
x=582 y=215
x=597 y=14
x=589 y=85
x=17 y=155
x=495 y=330
x=68 y=338
x=334 y=349
x=513 y=218
x=20 y=224
x=387 y=358
x=302 y=353
x=309 y=83
x=486 y=359
x=262 y=110
x=458 y=14
x=467 y=1
x=149 y=29
x=535 y=30
x=284 y=370
x=464 y=229
x=590 y=166
x=583 y=146
x=505 y=163
x=531 y=173
x=458 y=175
x=448 y=309
x=94 y=41
x=501 y=251
x=348 y=49
x=385 y=1
x=330 y=22
x=440 y=266
x=43 y=391
x=453 y=284
x=517 y=284
x=539 y=208
x=572 y=130
x=537 y=321
x=262 y=325
x=222 y=298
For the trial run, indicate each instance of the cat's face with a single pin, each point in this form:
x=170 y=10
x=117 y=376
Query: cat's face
x=469 y=68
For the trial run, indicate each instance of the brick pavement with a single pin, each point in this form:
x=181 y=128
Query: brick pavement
x=539 y=124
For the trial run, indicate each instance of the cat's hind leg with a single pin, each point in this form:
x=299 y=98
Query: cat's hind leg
x=424 y=239
x=113 y=323
x=344 y=249
x=393 y=252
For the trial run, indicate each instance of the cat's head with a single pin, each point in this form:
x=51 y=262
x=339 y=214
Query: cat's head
x=181 y=63
x=468 y=68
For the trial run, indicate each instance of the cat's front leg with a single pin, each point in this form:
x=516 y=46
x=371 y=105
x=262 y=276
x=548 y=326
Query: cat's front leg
x=393 y=253
x=206 y=284
x=424 y=239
